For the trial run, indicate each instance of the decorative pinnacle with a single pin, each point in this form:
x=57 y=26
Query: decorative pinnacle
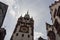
x=27 y=11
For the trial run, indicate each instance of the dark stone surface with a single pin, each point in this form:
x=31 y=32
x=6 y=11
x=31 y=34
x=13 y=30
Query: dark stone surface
x=3 y=10
x=2 y=33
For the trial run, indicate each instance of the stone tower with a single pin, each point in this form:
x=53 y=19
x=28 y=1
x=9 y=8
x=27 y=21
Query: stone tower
x=53 y=31
x=24 y=29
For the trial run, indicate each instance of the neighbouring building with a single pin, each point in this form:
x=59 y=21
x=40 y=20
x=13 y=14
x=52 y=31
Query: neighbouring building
x=3 y=10
x=24 y=29
x=40 y=38
x=53 y=31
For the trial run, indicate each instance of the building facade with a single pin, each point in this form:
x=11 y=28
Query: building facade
x=3 y=10
x=53 y=31
x=24 y=29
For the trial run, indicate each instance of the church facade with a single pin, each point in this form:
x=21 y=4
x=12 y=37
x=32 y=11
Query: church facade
x=24 y=29
x=53 y=31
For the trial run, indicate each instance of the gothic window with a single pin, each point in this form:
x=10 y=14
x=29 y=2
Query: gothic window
x=56 y=24
x=32 y=32
x=16 y=34
x=0 y=11
x=22 y=35
x=58 y=13
x=28 y=36
x=27 y=19
x=55 y=13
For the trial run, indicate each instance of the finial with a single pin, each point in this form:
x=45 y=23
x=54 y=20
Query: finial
x=27 y=15
x=27 y=11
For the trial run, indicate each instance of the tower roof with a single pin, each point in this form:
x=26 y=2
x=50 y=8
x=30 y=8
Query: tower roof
x=27 y=15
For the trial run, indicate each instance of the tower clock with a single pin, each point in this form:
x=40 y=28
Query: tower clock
x=24 y=29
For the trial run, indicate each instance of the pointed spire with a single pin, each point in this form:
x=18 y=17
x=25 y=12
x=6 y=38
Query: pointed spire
x=27 y=11
x=27 y=15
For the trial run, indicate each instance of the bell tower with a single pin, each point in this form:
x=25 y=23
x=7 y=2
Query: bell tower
x=24 y=29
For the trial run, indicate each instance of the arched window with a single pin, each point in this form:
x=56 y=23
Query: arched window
x=16 y=34
x=51 y=35
x=28 y=36
x=22 y=35
x=55 y=12
x=58 y=13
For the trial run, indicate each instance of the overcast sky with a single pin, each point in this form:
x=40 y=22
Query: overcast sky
x=38 y=9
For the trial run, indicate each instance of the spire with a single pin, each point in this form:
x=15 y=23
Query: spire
x=27 y=15
x=27 y=11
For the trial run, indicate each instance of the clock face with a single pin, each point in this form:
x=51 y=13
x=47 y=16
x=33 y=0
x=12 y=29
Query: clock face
x=24 y=29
